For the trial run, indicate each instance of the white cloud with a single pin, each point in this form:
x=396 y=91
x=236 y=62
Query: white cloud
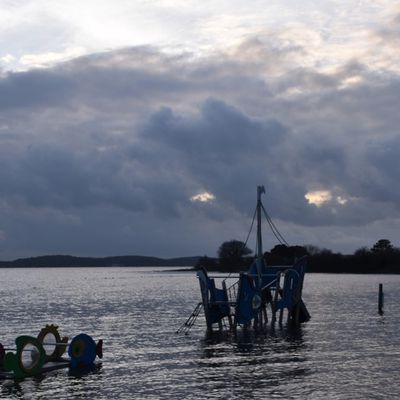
x=330 y=33
x=8 y=58
x=341 y=200
x=48 y=59
x=318 y=197
x=203 y=197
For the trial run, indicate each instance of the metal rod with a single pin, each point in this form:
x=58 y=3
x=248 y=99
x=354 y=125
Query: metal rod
x=43 y=344
x=380 y=299
x=13 y=349
x=260 y=190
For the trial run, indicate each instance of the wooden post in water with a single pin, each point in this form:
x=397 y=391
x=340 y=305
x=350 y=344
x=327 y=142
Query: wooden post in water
x=380 y=299
x=229 y=315
x=275 y=299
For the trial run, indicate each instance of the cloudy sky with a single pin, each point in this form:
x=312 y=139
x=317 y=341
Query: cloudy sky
x=144 y=127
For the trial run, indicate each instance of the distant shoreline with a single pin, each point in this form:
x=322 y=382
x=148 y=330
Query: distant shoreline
x=66 y=261
x=329 y=264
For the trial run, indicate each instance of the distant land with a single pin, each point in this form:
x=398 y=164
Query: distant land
x=63 y=261
x=381 y=258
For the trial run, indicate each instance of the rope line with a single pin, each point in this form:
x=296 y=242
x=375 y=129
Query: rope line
x=251 y=228
x=272 y=226
x=274 y=229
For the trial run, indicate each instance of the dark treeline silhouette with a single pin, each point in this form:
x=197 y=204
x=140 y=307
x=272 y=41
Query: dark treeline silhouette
x=119 y=261
x=234 y=256
x=381 y=258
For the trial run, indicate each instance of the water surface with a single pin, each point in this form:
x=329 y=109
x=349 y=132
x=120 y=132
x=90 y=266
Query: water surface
x=346 y=351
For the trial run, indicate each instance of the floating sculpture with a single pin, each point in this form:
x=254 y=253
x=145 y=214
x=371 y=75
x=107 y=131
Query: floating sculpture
x=35 y=355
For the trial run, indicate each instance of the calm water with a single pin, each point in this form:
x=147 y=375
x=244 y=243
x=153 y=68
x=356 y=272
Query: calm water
x=347 y=351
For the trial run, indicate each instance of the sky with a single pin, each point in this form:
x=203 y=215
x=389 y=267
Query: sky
x=144 y=127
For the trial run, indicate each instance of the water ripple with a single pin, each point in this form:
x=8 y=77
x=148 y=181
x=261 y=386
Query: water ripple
x=347 y=351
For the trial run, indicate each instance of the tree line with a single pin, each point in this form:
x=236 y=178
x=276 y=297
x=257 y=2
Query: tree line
x=382 y=257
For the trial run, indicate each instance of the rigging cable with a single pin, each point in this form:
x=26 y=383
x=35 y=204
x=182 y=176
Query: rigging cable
x=251 y=228
x=274 y=229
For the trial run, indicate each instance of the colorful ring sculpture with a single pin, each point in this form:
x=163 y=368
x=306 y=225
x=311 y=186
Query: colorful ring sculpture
x=36 y=355
x=28 y=359
x=59 y=344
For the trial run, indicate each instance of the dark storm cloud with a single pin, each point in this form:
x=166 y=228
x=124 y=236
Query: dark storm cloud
x=384 y=170
x=34 y=89
x=125 y=139
x=218 y=148
x=220 y=133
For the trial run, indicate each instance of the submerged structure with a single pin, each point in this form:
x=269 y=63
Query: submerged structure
x=36 y=355
x=256 y=296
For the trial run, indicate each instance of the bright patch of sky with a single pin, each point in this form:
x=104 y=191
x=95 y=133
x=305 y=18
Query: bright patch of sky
x=41 y=32
x=318 y=197
x=203 y=197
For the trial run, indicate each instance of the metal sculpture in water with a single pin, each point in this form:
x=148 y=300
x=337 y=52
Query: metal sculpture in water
x=245 y=301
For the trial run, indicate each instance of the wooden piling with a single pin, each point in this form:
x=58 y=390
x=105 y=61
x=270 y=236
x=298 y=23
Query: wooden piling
x=231 y=327
x=281 y=316
x=380 y=299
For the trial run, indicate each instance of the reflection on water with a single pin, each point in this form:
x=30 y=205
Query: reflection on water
x=251 y=364
x=346 y=351
x=37 y=386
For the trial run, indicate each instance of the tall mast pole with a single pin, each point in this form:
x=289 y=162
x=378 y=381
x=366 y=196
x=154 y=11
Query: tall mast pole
x=260 y=191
